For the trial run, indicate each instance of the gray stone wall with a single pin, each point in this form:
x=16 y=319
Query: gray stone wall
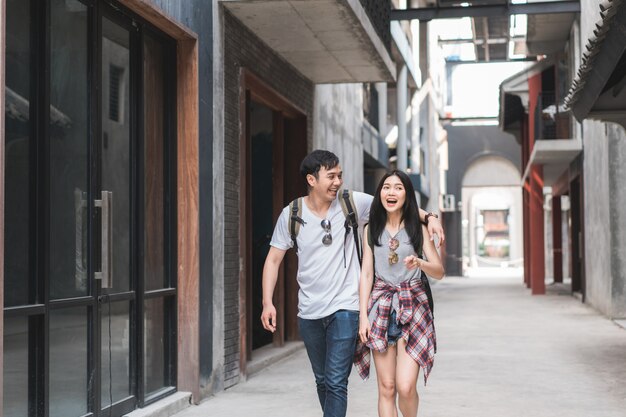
x=597 y=214
x=242 y=49
x=337 y=127
x=617 y=198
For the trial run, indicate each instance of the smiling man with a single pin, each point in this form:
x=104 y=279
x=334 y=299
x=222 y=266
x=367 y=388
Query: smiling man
x=328 y=275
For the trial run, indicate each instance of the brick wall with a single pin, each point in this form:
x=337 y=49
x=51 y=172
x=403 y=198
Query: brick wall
x=242 y=49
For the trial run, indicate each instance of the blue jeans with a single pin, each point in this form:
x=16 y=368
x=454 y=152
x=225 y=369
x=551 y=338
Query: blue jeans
x=330 y=343
x=394 y=330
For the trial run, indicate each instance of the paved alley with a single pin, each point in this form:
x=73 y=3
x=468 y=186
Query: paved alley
x=502 y=353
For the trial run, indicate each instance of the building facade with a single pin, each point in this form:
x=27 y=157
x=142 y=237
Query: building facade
x=101 y=285
x=596 y=100
x=567 y=111
x=148 y=149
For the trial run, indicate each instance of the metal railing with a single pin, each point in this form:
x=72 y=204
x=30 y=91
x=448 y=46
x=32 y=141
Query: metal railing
x=378 y=11
x=551 y=119
x=374 y=145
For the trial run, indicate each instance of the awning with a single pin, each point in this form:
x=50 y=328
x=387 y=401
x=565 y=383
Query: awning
x=555 y=155
x=328 y=41
x=514 y=95
x=548 y=33
x=598 y=90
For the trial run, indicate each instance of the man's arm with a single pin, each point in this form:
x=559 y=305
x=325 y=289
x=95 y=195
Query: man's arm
x=434 y=226
x=270 y=276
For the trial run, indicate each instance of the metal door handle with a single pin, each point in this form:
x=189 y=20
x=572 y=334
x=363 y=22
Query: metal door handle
x=106 y=257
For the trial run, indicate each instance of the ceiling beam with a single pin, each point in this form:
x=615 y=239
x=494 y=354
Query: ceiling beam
x=475 y=39
x=430 y=13
x=486 y=37
x=492 y=40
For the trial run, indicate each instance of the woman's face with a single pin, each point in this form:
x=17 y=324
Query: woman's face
x=393 y=194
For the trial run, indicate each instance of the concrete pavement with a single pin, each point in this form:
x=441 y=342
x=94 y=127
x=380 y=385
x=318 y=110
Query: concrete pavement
x=502 y=353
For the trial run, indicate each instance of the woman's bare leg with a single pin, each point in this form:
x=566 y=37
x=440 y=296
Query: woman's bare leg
x=407 y=371
x=386 y=376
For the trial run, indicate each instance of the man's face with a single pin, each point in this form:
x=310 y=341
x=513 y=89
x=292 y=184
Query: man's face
x=327 y=183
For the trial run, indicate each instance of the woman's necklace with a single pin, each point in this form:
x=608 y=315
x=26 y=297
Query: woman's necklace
x=393 y=245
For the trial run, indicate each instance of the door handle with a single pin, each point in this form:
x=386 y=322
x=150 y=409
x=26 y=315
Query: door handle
x=106 y=248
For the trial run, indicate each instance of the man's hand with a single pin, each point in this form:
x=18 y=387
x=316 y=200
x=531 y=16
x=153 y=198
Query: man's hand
x=270 y=276
x=268 y=318
x=435 y=228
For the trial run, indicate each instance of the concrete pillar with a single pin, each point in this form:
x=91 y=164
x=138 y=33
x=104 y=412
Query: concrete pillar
x=526 y=222
x=414 y=135
x=402 y=92
x=537 y=247
x=381 y=88
x=557 y=240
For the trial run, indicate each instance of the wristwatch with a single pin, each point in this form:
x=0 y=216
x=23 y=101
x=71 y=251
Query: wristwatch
x=429 y=215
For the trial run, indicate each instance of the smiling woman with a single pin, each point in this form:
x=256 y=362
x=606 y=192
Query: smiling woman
x=396 y=320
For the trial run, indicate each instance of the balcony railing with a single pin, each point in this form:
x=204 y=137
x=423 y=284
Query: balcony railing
x=551 y=120
x=374 y=145
x=370 y=104
x=378 y=11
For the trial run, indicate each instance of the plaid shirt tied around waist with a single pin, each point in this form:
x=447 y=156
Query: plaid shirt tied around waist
x=414 y=315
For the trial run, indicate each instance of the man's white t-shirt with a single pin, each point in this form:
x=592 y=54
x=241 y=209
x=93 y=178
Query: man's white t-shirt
x=327 y=282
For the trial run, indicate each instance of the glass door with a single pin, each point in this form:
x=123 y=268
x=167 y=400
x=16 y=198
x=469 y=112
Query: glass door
x=90 y=253
x=116 y=199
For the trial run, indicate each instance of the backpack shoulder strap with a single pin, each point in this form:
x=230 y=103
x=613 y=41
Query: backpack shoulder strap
x=370 y=242
x=349 y=211
x=295 y=220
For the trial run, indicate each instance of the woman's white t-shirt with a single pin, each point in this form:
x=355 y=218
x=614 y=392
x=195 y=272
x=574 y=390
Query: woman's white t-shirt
x=328 y=275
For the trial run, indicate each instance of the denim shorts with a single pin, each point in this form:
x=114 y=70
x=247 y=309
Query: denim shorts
x=394 y=330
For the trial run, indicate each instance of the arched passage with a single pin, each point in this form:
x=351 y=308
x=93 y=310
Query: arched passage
x=491 y=214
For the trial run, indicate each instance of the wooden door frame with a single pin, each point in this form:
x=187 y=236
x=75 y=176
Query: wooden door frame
x=253 y=88
x=187 y=178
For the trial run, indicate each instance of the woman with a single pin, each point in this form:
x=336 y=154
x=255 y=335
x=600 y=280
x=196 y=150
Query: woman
x=396 y=322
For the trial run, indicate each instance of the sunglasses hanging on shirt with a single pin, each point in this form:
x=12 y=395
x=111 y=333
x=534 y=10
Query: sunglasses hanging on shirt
x=327 y=240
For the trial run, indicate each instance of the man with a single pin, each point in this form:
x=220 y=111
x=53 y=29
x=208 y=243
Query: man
x=328 y=275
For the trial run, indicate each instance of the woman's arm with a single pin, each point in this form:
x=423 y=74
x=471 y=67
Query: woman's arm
x=432 y=264
x=365 y=287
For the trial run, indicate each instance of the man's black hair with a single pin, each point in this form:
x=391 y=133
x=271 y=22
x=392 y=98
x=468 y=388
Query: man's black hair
x=317 y=159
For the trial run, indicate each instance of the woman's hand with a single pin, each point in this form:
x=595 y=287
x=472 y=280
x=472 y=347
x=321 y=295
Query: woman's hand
x=364 y=328
x=412 y=262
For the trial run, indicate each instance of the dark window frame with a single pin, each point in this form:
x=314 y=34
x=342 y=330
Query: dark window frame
x=39 y=304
